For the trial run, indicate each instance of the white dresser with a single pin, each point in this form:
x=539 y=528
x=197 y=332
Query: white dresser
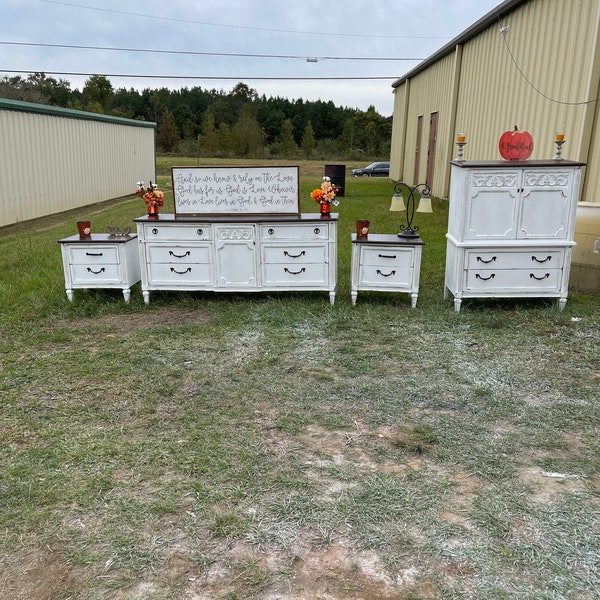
x=238 y=253
x=100 y=261
x=511 y=229
x=386 y=263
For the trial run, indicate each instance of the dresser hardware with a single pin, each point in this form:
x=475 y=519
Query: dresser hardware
x=386 y=274
x=271 y=231
x=95 y=272
x=534 y=276
x=302 y=270
x=537 y=260
x=487 y=262
x=179 y=255
x=478 y=276
x=94 y=254
x=386 y=256
x=200 y=231
x=188 y=270
x=317 y=231
x=286 y=253
x=154 y=230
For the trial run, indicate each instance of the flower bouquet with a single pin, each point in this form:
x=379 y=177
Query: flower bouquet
x=152 y=196
x=325 y=196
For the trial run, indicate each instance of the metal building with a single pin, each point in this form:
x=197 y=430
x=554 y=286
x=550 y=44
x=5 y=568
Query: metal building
x=530 y=63
x=55 y=159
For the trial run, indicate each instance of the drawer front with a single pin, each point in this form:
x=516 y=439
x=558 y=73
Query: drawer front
x=95 y=274
x=188 y=233
x=386 y=276
x=179 y=274
x=306 y=231
x=516 y=259
x=286 y=254
x=513 y=280
x=387 y=257
x=93 y=255
x=178 y=254
x=295 y=275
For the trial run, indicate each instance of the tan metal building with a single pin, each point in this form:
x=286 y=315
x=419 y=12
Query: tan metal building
x=530 y=63
x=54 y=159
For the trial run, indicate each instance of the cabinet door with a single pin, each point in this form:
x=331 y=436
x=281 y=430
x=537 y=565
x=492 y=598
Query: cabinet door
x=492 y=204
x=547 y=199
x=236 y=256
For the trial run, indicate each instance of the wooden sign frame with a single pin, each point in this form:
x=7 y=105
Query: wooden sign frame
x=254 y=190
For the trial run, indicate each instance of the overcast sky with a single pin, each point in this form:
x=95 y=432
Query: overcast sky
x=214 y=44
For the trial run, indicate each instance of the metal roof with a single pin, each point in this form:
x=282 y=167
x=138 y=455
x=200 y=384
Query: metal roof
x=488 y=19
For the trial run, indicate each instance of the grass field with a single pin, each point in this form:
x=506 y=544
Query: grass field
x=271 y=446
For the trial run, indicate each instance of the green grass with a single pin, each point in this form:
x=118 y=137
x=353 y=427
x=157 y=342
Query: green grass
x=244 y=446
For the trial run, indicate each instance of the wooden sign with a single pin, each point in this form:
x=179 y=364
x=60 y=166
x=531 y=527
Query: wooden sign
x=235 y=190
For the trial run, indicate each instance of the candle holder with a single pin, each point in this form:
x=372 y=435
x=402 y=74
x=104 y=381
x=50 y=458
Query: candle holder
x=559 y=144
x=461 y=147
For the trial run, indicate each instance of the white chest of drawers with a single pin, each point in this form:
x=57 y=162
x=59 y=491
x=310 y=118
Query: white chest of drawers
x=270 y=253
x=100 y=261
x=511 y=229
x=386 y=263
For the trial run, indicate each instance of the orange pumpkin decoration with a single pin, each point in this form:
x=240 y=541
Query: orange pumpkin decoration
x=515 y=145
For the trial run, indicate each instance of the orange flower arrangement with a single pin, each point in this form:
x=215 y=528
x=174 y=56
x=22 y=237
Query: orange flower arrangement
x=151 y=195
x=326 y=193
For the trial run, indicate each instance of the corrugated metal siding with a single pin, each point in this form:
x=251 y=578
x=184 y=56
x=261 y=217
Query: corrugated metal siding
x=53 y=163
x=554 y=44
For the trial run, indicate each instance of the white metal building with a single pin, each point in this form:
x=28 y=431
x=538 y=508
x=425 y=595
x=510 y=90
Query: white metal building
x=55 y=159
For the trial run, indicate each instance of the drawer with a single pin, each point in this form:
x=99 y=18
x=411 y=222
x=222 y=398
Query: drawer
x=295 y=275
x=515 y=259
x=95 y=274
x=189 y=233
x=93 y=255
x=295 y=231
x=387 y=257
x=284 y=254
x=385 y=276
x=178 y=254
x=179 y=274
x=513 y=280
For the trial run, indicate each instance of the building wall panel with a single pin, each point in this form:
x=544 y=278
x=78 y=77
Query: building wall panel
x=52 y=163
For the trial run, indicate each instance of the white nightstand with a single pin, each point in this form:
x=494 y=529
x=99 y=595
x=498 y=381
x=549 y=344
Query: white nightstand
x=386 y=263
x=100 y=261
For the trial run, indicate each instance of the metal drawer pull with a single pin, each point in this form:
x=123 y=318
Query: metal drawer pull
x=537 y=260
x=534 y=276
x=200 y=231
x=286 y=253
x=271 y=231
x=487 y=262
x=478 y=276
x=188 y=270
x=94 y=254
x=154 y=230
x=179 y=255
x=386 y=256
x=95 y=272
x=385 y=274
x=317 y=231
x=302 y=270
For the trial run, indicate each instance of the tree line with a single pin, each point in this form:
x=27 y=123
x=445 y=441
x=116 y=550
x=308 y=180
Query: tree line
x=241 y=124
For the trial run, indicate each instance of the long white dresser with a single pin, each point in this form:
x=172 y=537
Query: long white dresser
x=238 y=253
x=511 y=229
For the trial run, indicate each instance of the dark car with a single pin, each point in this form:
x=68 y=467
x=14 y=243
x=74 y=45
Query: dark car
x=376 y=169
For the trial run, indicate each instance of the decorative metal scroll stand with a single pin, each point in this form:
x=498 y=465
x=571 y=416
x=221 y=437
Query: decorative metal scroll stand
x=408 y=230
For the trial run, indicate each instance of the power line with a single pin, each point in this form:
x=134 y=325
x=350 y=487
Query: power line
x=196 y=53
x=229 y=26
x=201 y=77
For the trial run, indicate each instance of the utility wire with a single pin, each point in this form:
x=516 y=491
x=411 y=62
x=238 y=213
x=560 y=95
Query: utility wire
x=229 y=26
x=194 y=53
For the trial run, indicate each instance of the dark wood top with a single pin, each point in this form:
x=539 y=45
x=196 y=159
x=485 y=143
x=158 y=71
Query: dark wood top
x=511 y=164
x=98 y=238
x=386 y=239
x=210 y=218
